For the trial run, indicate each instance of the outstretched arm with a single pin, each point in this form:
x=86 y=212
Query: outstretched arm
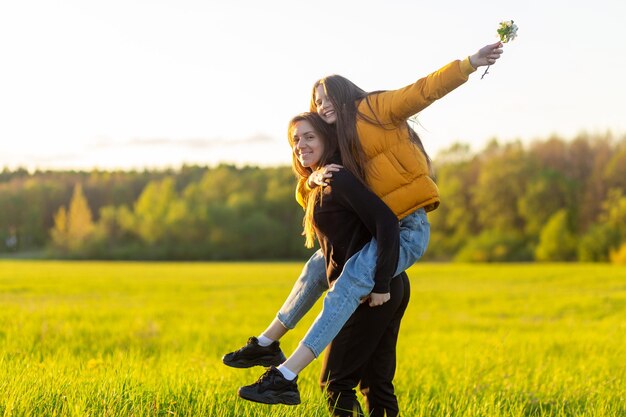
x=395 y=106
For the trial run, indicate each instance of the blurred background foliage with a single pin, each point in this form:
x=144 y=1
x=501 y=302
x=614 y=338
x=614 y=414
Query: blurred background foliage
x=551 y=200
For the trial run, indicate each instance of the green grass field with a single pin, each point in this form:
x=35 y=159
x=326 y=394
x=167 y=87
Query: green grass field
x=145 y=339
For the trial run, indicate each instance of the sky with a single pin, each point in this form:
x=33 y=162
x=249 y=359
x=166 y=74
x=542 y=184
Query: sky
x=132 y=84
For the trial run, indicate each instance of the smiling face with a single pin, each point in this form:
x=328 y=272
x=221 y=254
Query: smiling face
x=323 y=106
x=307 y=144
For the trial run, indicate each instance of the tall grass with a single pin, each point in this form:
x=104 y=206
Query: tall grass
x=145 y=339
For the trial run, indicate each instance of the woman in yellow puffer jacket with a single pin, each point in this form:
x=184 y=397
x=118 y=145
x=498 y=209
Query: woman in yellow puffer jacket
x=380 y=149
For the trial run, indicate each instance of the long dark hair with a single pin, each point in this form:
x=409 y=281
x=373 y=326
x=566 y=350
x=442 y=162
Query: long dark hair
x=328 y=135
x=345 y=97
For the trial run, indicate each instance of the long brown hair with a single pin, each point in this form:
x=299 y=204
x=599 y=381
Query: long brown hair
x=346 y=96
x=328 y=135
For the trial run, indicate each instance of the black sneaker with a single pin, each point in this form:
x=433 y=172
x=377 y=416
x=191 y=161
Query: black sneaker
x=272 y=388
x=253 y=354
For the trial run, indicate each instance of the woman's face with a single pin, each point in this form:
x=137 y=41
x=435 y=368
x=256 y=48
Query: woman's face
x=323 y=106
x=307 y=144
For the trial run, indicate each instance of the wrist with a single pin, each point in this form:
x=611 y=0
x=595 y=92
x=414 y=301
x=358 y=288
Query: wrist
x=472 y=61
x=381 y=287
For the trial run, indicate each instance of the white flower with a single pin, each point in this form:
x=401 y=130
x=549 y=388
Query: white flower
x=507 y=31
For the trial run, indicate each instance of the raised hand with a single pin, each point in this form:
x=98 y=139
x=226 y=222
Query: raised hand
x=487 y=55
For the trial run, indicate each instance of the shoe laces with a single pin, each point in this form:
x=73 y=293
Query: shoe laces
x=268 y=375
x=239 y=351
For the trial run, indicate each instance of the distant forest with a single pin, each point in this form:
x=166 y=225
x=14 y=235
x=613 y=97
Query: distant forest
x=552 y=200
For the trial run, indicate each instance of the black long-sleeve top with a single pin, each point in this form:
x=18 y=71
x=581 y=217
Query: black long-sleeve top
x=347 y=217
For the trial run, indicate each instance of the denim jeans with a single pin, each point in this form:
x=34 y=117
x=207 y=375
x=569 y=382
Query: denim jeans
x=355 y=282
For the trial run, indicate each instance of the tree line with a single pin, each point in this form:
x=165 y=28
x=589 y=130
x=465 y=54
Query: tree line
x=552 y=200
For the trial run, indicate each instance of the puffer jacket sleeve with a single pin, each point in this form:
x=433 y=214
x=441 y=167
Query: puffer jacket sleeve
x=395 y=106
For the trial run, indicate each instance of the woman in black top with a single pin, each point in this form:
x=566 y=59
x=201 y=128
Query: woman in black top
x=344 y=216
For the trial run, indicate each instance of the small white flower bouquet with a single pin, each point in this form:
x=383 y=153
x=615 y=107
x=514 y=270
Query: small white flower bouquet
x=507 y=32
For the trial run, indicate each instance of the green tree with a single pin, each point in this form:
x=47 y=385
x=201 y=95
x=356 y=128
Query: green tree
x=501 y=182
x=556 y=242
x=557 y=173
x=495 y=246
x=74 y=227
x=596 y=244
x=614 y=212
x=615 y=171
x=608 y=233
x=618 y=256
x=152 y=209
x=59 y=232
x=455 y=221
x=594 y=191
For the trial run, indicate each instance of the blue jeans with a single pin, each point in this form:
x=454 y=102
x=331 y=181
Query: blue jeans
x=355 y=282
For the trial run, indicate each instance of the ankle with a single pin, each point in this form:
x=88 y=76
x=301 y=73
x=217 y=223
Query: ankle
x=287 y=373
x=265 y=341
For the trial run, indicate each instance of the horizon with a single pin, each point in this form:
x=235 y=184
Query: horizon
x=613 y=138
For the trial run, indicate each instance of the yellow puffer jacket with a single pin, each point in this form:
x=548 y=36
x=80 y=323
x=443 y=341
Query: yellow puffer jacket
x=396 y=169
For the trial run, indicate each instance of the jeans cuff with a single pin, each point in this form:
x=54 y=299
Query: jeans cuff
x=311 y=348
x=282 y=321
